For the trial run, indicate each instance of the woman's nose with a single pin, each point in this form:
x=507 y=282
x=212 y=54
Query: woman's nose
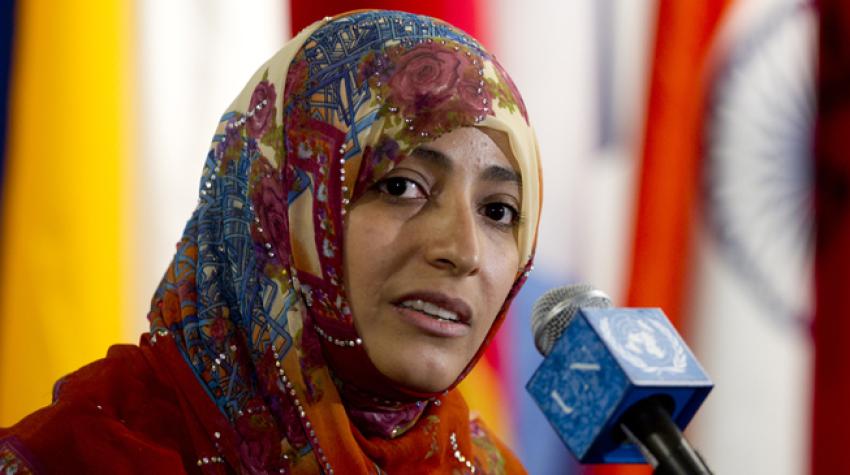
x=453 y=242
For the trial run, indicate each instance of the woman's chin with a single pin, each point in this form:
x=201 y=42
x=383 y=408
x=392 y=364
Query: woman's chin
x=421 y=375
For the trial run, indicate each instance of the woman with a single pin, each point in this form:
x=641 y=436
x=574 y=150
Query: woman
x=367 y=211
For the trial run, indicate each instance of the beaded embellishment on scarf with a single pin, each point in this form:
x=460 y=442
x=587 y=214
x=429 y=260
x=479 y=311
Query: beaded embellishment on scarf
x=459 y=456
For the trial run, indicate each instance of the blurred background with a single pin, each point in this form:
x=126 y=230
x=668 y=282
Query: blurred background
x=677 y=142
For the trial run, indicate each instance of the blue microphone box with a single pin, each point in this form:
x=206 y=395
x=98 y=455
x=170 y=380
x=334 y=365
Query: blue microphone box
x=606 y=360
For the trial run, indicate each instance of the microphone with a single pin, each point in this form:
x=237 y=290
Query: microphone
x=617 y=384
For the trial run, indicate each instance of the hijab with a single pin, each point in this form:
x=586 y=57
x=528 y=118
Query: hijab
x=254 y=298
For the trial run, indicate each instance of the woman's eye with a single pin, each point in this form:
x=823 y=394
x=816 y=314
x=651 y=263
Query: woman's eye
x=501 y=213
x=400 y=187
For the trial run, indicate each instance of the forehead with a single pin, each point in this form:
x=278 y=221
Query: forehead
x=472 y=148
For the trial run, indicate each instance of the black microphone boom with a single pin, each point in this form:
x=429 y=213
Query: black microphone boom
x=648 y=425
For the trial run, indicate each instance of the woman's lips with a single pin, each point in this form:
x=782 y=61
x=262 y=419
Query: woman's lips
x=435 y=313
x=431 y=309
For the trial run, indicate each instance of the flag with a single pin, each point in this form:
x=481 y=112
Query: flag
x=60 y=258
x=468 y=15
x=832 y=254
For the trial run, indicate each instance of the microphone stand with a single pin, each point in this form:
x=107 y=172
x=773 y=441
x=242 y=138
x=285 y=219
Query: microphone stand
x=648 y=425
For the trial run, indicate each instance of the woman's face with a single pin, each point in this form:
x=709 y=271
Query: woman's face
x=430 y=256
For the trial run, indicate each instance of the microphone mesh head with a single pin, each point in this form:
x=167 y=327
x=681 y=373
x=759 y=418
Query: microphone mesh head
x=554 y=310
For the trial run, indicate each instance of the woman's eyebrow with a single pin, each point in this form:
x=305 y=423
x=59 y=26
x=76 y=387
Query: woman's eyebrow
x=435 y=157
x=491 y=173
x=497 y=173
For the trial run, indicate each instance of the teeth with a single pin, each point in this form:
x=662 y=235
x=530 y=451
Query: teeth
x=431 y=309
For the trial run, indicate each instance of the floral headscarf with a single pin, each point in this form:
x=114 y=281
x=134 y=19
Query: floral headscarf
x=254 y=299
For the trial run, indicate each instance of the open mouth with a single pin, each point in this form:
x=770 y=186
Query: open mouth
x=432 y=310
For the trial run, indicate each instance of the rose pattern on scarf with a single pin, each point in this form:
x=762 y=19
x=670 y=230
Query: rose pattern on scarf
x=261 y=119
x=259 y=446
x=269 y=199
x=433 y=87
x=424 y=77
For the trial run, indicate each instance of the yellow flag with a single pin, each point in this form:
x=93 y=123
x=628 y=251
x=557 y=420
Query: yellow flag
x=61 y=276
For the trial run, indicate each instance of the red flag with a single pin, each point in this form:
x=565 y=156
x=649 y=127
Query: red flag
x=832 y=252
x=671 y=152
x=468 y=15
